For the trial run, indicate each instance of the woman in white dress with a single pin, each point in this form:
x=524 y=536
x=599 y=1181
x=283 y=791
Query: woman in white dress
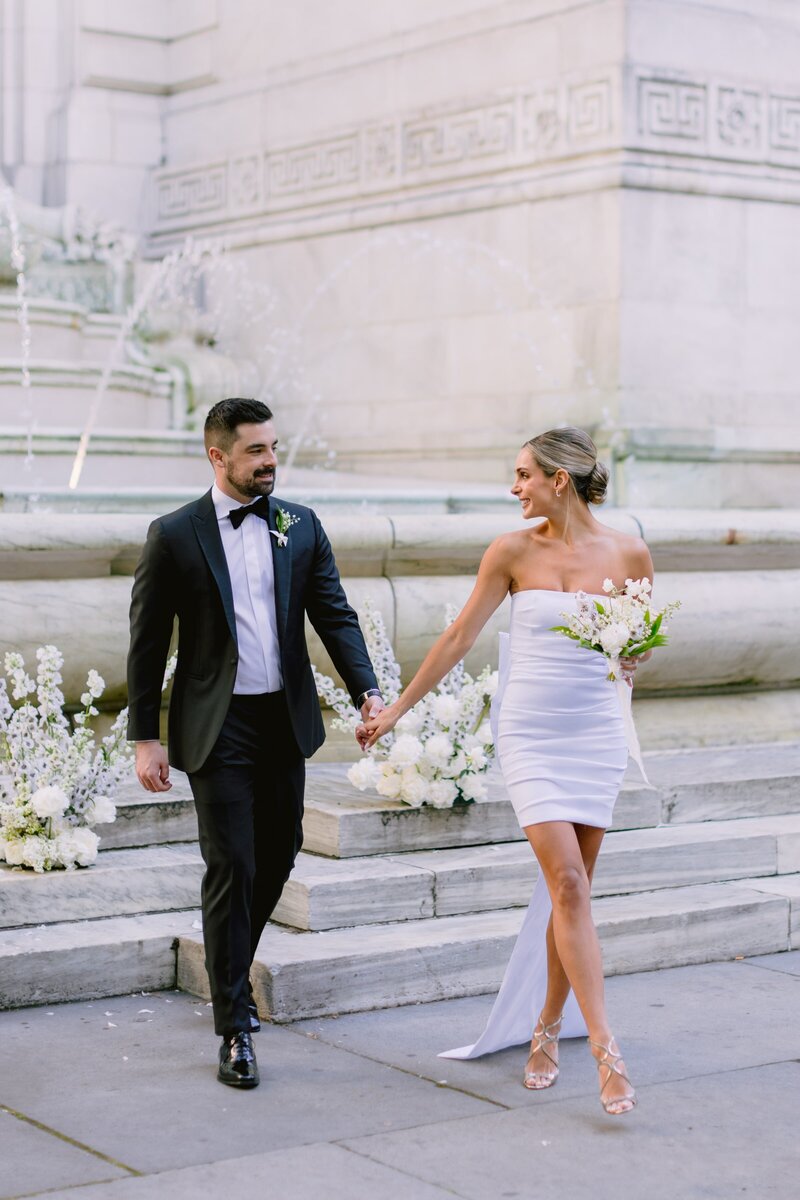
x=561 y=745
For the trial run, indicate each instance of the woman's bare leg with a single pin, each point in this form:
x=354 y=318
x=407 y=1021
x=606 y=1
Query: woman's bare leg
x=558 y=849
x=589 y=840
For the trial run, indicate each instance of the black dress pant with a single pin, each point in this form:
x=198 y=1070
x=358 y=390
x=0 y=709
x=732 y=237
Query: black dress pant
x=249 y=800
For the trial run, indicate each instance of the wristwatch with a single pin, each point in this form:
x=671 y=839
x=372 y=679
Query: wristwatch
x=362 y=699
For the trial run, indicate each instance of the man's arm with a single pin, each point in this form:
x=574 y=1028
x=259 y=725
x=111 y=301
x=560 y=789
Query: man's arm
x=152 y=617
x=336 y=622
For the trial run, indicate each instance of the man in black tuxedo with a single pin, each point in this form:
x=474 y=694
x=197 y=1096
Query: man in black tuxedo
x=240 y=577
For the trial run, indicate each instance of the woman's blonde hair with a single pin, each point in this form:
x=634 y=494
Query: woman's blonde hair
x=572 y=450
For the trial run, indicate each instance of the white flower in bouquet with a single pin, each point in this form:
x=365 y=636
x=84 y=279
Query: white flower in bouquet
x=101 y=810
x=406 y=751
x=56 y=780
x=437 y=748
x=413 y=788
x=442 y=793
x=472 y=787
x=49 y=802
x=390 y=782
x=446 y=709
x=77 y=847
x=624 y=624
x=365 y=773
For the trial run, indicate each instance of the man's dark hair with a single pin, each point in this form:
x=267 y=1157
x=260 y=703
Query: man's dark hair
x=224 y=417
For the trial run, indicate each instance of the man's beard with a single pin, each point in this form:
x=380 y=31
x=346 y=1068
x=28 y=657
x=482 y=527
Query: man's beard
x=260 y=484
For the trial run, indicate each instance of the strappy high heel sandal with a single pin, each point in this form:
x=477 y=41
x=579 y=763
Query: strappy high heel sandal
x=610 y=1058
x=543 y=1037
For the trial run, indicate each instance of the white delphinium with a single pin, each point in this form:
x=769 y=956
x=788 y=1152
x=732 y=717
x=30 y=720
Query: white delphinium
x=439 y=748
x=55 y=779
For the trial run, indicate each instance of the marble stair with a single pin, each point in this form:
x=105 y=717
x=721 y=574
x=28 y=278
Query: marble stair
x=392 y=905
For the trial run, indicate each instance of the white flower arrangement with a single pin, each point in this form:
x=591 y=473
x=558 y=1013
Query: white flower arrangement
x=439 y=749
x=55 y=781
x=624 y=625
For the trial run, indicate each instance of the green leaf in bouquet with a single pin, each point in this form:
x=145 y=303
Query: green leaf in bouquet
x=565 y=629
x=600 y=608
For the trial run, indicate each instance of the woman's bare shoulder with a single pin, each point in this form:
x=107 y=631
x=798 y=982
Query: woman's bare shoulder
x=635 y=552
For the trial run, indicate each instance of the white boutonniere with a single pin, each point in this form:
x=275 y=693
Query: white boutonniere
x=284 y=521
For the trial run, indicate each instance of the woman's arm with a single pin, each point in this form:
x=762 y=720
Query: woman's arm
x=491 y=588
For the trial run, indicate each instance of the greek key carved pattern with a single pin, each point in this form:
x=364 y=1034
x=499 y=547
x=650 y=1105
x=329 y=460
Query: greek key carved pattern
x=670 y=108
x=784 y=129
x=327 y=164
x=199 y=191
x=707 y=117
x=458 y=138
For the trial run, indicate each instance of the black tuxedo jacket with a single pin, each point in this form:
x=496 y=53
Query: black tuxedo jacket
x=183 y=573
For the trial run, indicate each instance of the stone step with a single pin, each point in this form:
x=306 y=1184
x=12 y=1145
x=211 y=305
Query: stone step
x=381 y=966
x=704 y=784
x=120 y=883
x=86 y=959
x=331 y=894
x=378 y=966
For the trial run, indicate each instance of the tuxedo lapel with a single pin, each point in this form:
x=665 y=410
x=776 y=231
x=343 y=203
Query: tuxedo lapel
x=282 y=564
x=207 y=530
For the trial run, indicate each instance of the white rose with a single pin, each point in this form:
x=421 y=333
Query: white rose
x=77 y=846
x=406 y=751
x=472 y=787
x=445 y=709
x=442 y=793
x=389 y=783
x=414 y=790
x=49 y=802
x=364 y=774
x=439 y=750
x=614 y=638
x=101 y=811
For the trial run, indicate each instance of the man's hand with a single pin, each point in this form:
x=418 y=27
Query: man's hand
x=369 y=709
x=152 y=767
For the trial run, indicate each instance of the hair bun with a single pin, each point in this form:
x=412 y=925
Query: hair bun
x=595 y=485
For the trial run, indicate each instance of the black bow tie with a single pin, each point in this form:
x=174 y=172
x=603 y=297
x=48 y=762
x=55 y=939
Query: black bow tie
x=259 y=509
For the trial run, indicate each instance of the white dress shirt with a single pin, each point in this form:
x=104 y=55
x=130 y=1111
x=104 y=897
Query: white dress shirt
x=249 y=556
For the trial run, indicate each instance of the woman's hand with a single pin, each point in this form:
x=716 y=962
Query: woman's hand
x=377 y=727
x=627 y=666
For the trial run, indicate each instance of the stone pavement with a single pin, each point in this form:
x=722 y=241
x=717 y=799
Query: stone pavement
x=117 y=1099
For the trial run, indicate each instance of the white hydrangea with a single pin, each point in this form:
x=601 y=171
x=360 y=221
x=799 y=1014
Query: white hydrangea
x=49 y=801
x=414 y=789
x=472 y=787
x=456 y=766
x=406 y=751
x=77 y=847
x=439 y=750
x=365 y=773
x=389 y=783
x=442 y=793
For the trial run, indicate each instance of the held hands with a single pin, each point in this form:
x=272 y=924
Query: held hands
x=369 y=709
x=381 y=723
x=152 y=767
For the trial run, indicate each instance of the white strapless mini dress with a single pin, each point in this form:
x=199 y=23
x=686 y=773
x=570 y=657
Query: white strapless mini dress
x=561 y=739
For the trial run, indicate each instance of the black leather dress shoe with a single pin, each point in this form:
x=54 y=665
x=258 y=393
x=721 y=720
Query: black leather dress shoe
x=255 y=1024
x=237 y=1061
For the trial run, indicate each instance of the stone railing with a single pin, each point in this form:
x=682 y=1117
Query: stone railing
x=66 y=579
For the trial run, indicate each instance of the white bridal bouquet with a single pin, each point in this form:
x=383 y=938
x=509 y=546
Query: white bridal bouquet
x=55 y=781
x=624 y=625
x=439 y=749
